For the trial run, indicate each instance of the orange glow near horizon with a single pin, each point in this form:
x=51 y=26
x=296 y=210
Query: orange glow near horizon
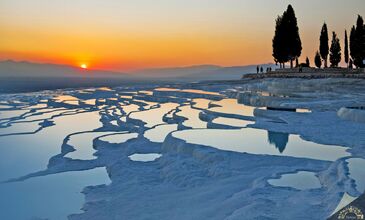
x=130 y=35
x=137 y=52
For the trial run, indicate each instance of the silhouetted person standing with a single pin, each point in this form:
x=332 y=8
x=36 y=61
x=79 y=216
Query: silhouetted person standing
x=257 y=68
x=262 y=70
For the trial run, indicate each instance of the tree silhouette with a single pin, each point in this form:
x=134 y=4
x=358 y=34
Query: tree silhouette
x=357 y=42
x=287 y=45
x=346 y=49
x=350 y=64
x=293 y=43
x=360 y=29
x=317 y=60
x=353 y=46
x=323 y=46
x=278 y=43
x=307 y=62
x=279 y=139
x=335 y=51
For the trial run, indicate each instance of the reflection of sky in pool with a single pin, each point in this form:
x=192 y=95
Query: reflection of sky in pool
x=20 y=128
x=158 y=133
x=357 y=172
x=12 y=113
x=200 y=92
x=90 y=101
x=130 y=108
x=45 y=113
x=154 y=116
x=192 y=116
x=146 y=92
x=5 y=106
x=83 y=145
x=231 y=106
x=231 y=122
x=256 y=141
x=147 y=104
x=118 y=138
x=301 y=180
x=48 y=197
x=166 y=89
x=63 y=98
x=201 y=103
x=35 y=150
x=196 y=91
x=144 y=157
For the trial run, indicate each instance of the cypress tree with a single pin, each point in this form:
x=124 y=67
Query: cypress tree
x=335 y=51
x=317 y=60
x=346 y=49
x=323 y=46
x=287 y=45
x=278 y=43
x=293 y=44
x=360 y=28
x=353 y=44
x=357 y=42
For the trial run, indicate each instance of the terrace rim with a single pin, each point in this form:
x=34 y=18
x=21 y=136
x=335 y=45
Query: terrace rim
x=309 y=73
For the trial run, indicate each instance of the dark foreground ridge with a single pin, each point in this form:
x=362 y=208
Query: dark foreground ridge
x=309 y=73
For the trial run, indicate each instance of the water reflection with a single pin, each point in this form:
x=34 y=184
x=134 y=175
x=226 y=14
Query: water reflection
x=154 y=116
x=192 y=117
x=301 y=180
x=48 y=197
x=200 y=103
x=357 y=172
x=159 y=133
x=280 y=140
x=118 y=138
x=83 y=145
x=231 y=106
x=144 y=157
x=231 y=122
x=23 y=154
x=196 y=91
x=254 y=141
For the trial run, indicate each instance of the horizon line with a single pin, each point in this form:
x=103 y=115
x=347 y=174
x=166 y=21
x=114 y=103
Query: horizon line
x=133 y=70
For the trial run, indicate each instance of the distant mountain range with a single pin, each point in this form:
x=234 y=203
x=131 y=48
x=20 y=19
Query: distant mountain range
x=11 y=68
x=200 y=73
x=26 y=76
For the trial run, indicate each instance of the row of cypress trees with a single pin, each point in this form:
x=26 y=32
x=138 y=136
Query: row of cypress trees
x=287 y=45
x=356 y=49
x=334 y=52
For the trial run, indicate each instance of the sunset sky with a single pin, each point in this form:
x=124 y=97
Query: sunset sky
x=126 y=35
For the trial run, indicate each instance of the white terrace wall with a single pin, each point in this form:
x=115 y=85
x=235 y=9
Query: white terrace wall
x=315 y=70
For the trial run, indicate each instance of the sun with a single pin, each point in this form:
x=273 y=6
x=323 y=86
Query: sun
x=83 y=66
